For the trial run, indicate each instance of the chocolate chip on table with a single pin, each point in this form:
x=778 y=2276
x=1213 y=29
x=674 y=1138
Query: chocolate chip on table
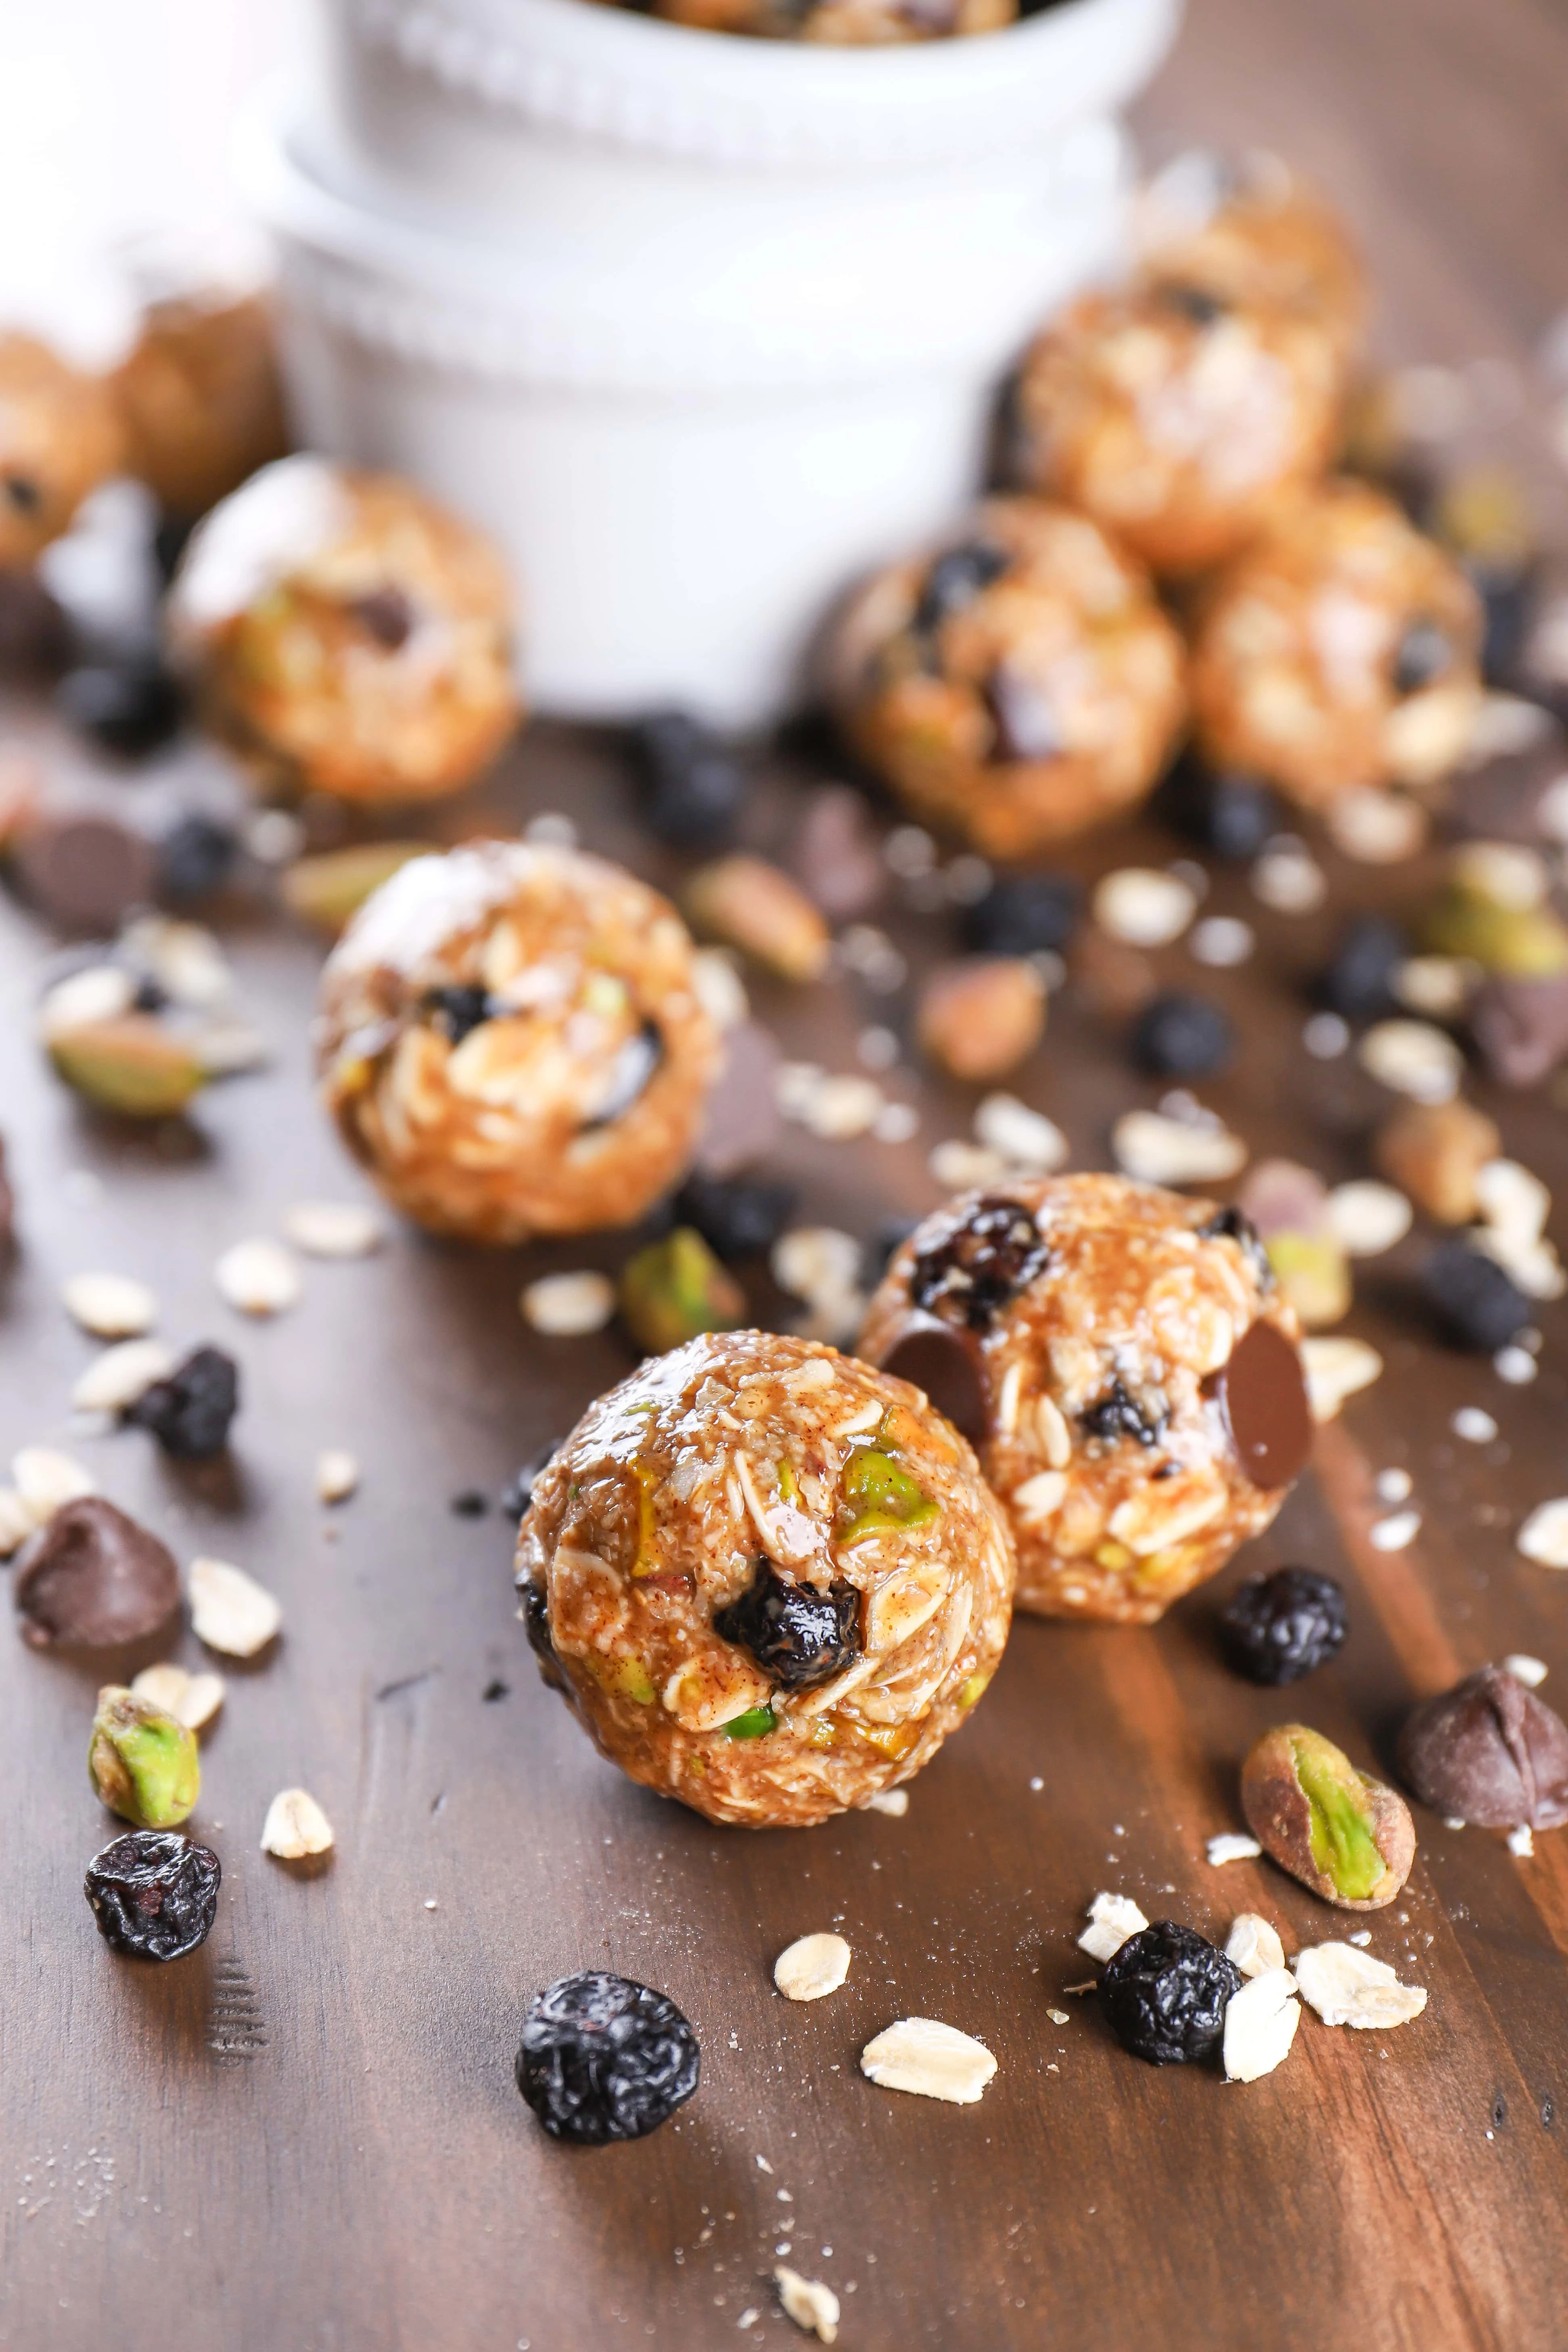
x=190 y=1413
x=970 y=1275
x=1165 y=1992
x=153 y=1893
x=195 y=858
x=838 y=858
x=605 y=2059
x=1262 y=1395
x=83 y=872
x=740 y=1123
x=1359 y=981
x=35 y=632
x=1183 y=1037
x=692 y=787
x=94 y=1578
x=1488 y=1751
x=130 y=707
x=945 y=1364
x=735 y=1218
x=798 y=1637
x=1023 y=914
x=1473 y=1299
x=1274 y=1629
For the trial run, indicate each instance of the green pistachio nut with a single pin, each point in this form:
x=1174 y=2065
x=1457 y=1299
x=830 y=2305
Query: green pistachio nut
x=1314 y=1274
x=879 y=1496
x=130 y=1065
x=1508 y=942
x=753 y=1725
x=326 y=889
x=1343 y=1846
x=142 y=1764
x=675 y=1288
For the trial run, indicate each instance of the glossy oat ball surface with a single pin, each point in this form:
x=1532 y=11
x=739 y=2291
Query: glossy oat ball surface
x=1248 y=231
x=60 y=439
x=200 y=398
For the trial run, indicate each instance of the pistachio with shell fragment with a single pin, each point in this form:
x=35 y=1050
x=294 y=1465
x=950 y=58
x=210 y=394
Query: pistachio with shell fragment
x=1346 y=1836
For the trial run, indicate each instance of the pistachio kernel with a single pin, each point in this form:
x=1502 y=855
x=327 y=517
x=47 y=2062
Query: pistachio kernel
x=141 y=1763
x=132 y=1065
x=1346 y=1836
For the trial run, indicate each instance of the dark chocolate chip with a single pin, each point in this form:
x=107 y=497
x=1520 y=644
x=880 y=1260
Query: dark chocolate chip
x=458 y=1010
x=1119 y=1414
x=386 y=616
x=740 y=1123
x=93 y=1580
x=945 y=1363
x=1488 y=1751
x=190 y=1413
x=1262 y=1395
x=85 y=873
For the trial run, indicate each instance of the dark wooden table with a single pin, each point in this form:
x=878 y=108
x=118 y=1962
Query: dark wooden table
x=307 y=2140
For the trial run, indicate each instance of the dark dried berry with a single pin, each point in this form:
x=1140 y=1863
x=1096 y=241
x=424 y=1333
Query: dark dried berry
x=954 y=580
x=1181 y=1036
x=1233 y=1224
x=1473 y=1299
x=457 y=1010
x=797 y=1636
x=471 y=1503
x=153 y=1893
x=1488 y=1751
x=518 y=1492
x=1165 y=1993
x=1359 y=982
x=190 y=1413
x=536 y=1625
x=1226 y=811
x=130 y=707
x=195 y=857
x=495 y=1690
x=735 y=1219
x=1508 y=608
x=95 y=1579
x=605 y=2059
x=692 y=787
x=1118 y=1414
x=1275 y=1628
x=1022 y=914
x=1193 y=303
x=386 y=616
x=1424 y=652
x=969 y=1277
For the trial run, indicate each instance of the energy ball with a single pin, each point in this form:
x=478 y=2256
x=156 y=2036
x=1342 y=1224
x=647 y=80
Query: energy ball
x=842 y=24
x=1341 y=651
x=1126 y=1368
x=200 y=399
x=768 y=1580
x=59 y=437
x=512 y=1041
x=345 y=633
x=1247 y=231
x=1016 y=685
x=1181 y=420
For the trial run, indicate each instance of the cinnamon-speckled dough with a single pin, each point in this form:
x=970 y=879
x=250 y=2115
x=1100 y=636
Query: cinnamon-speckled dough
x=200 y=399
x=1095 y=1322
x=1342 y=650
x=345 y=633
x=59 y=437
x=512 y=1041
x=1015 y=686
x=1180 y=421
x=743 y=1463
x=842 y=24
x=1248 y=231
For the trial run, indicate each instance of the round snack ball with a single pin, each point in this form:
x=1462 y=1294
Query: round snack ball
x=842 y=24
x=769 y=1579
x=1340 y=651
x=512 y=1041
x=59 y=437
x=1017 y=686
x=1246 y=230
x=199 y=398
x=1183 y=423
x=346 y=633
x=1127 y=1369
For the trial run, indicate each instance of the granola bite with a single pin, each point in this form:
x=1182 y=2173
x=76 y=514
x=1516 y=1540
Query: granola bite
x=1342 y=651
x=512 y=1041
x=767 y=1579
x=199 y=398
x=345 y=633
x=1016 y=685
x=843 y=24
x=59 y=439
x=1248 y=231
x=1127 y=1369
x=1181 y=421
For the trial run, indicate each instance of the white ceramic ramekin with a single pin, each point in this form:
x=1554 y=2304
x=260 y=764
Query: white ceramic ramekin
x=699 y=326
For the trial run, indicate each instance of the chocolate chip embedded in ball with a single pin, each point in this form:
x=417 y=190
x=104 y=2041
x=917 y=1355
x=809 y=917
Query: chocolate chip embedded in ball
x=94 y=1578
x=945 y=1363
x=1488 y=1751
x=1262 y=1393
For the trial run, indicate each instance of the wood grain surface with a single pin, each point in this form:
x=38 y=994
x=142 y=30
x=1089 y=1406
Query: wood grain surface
x=307 y=2138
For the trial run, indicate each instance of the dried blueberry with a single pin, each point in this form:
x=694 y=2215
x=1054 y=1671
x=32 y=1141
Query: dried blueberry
x=130 y=707
x=1119 y=1414
x=457 y=1010
x=195 y=857
x=1165 y=1993
x=1181 y=1036
x=1472 y=1297
x=796 y=1635
x=692 y=787
x=190 y=1413
x=153 y=1893
x=471 y=1503
x=954 y=580
x=1022 y=914
x=1275 y=1628
x=1359 y=982
x=995 y=1252
x=1226 y=811
x=605 y=2059
x=734 y=1218
x=1193 y=303
x=1424 y=652
x=1233 y=1224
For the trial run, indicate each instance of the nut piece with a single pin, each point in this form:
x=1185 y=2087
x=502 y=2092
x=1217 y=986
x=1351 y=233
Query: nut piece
x=935 y=2060
x=812 y=1966
x=1254 y=1944
x=750 y=905
x=1113 y=1918
x=110 y=1305
x=675 y=1288
x=1367 y=1218
x=1231 y=1847
x=328 y=888
x=142 y=1763
x=295 y=1826
x=258 y=1277
x=1488 y=1751
x=1143 y=907
x=1337 y=1369
x=229 y=1611
x=1411 y=1058
x=808 y=2302
x=191 y=1699
x=115 y=1380
x=1346 y=1836
x=1544 y=1535
x=1025 y=1138
x=1261 y=2023
x=337 y=1476
x=132 y=1066
x=95 y=1580
x=980 y=1018
x=334 y=1228
x=1155 y=1150
x=1349 y=1987
x=1434 y=1151
x=568 y=1305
